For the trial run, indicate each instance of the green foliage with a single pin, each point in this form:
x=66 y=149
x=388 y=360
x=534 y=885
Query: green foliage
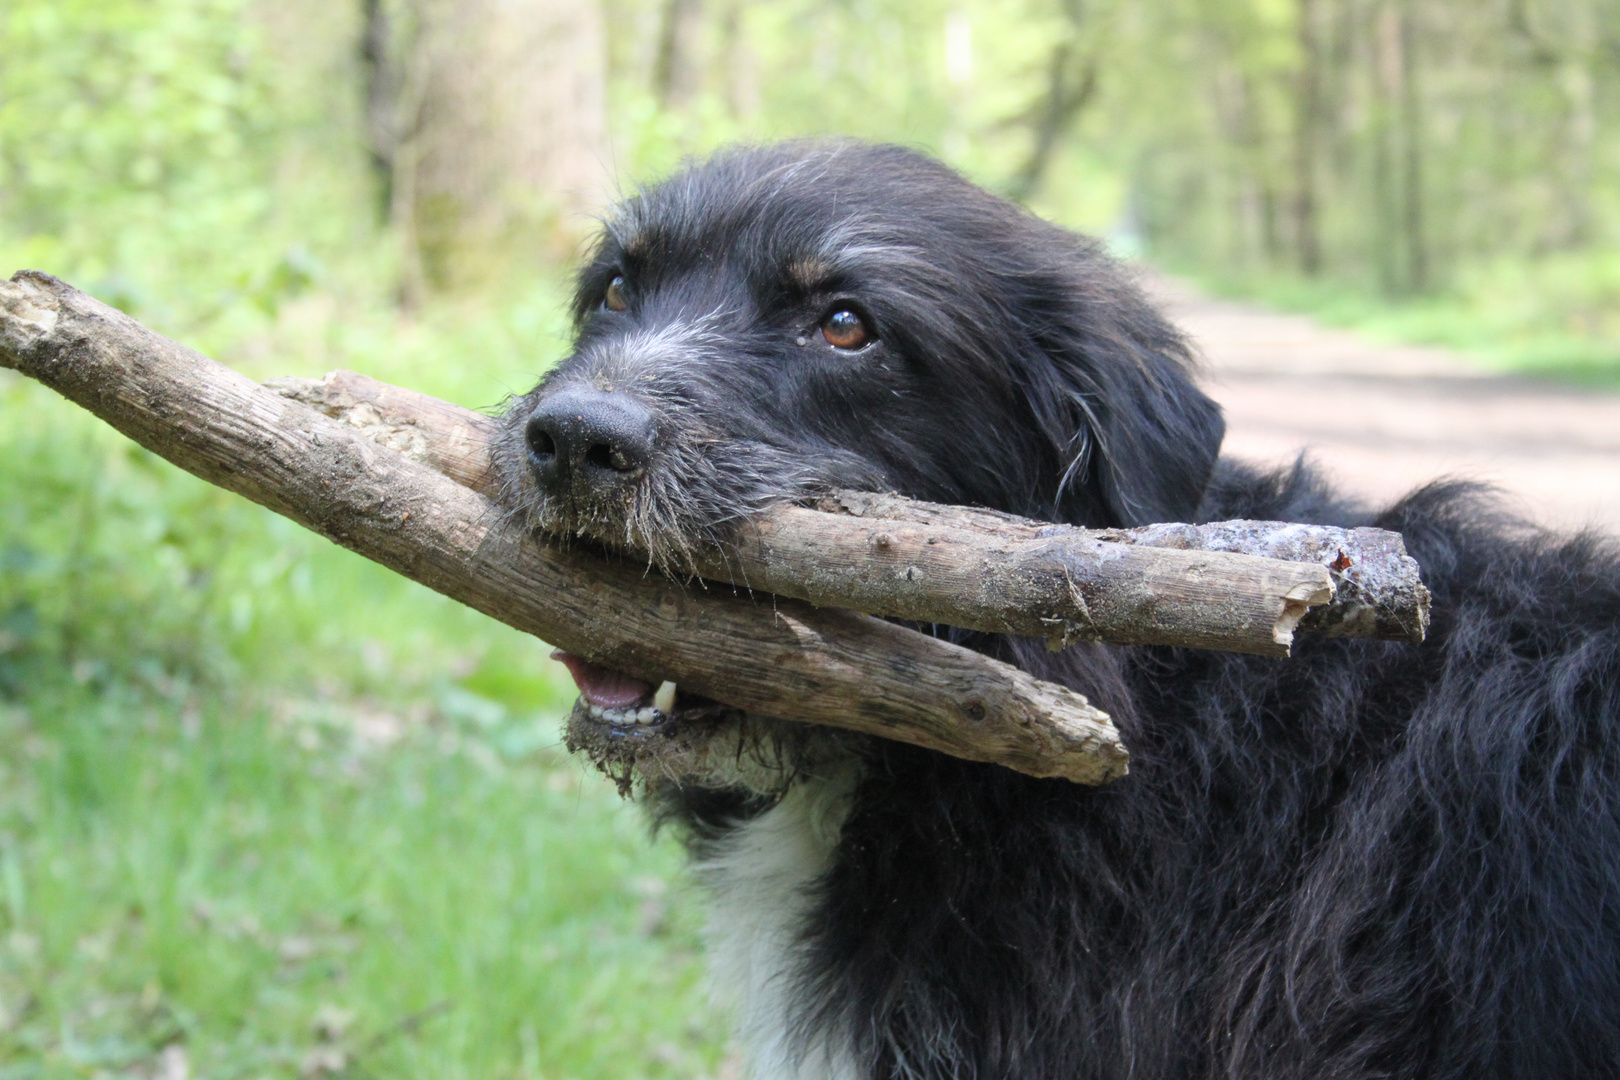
x=202 y=161
x=874 y=69
x=115 y=109
x=1448 y=169
x=186 y=160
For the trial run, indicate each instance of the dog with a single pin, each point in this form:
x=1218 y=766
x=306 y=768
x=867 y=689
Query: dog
x=1375 y=859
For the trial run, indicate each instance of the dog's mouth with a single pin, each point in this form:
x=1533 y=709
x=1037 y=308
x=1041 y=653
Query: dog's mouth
x=622 y=705
x=638 y=733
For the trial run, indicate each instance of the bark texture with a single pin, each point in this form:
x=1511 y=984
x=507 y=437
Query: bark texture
x=1240 y=586
x=1378 y=590
x=776 y=657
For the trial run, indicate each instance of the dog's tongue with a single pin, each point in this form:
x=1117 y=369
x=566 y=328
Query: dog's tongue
x=599 y=686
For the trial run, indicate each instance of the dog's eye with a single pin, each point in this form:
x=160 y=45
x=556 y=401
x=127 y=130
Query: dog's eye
x=844 y=329
x=613 y=299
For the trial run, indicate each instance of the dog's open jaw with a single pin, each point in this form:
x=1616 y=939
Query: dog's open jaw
x=619 y=700
x=633 y=730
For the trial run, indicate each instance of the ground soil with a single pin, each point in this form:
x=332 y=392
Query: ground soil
x=1382 y=419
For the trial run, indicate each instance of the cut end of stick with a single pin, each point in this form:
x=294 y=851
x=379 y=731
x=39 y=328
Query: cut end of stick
x=28 y=312
x=1103 y=763
x=1073 y=739
x=1297 y=603
x=1099 y=759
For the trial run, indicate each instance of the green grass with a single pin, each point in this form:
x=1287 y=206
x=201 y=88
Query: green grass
x=299 y=888
x=272 y=810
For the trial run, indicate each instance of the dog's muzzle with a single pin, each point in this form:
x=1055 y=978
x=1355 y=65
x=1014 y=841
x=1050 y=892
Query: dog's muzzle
x=630 y=728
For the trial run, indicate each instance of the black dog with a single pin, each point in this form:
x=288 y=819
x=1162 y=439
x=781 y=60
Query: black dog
x=1373 y=860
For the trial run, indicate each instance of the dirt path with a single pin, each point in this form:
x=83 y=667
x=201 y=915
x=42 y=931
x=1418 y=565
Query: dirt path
x=1383 y=419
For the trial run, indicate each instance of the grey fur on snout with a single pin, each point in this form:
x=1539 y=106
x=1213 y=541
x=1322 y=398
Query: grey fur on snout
x=710 y=462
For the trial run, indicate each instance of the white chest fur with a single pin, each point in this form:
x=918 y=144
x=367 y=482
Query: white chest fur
x=759 y=883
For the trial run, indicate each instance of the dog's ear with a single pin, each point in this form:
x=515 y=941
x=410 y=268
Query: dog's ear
x=1136 y=440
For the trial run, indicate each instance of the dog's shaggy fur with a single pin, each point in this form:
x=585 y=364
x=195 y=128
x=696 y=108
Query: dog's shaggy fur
x=1372 y=860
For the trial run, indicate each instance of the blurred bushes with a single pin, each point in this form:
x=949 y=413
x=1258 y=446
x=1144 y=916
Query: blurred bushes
x=165 y=156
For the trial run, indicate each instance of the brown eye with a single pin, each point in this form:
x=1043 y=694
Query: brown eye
x=613 y=299
x=844 y=329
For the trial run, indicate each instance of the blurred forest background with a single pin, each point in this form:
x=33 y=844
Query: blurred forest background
x=266 y=811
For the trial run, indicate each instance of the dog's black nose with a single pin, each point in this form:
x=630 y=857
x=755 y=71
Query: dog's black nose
x=580 y=433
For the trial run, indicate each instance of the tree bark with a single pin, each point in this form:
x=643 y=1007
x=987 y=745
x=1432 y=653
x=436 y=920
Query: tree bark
x=771 y=656
x=1241 y=586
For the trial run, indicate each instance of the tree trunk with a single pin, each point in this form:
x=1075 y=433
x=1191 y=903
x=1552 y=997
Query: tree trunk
x=678 y=71
x=1413 y=222
x=1308 y=139
x=488 y=120
x=1386 y=189
x=1071 y=83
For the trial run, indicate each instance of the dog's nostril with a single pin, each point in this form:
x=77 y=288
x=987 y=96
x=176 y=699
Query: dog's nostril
x=616 y=458
x=541 y=444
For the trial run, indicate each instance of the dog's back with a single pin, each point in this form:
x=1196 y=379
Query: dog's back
x=1374 y=859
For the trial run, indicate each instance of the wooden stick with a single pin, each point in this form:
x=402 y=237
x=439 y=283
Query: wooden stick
x=1242 y=586
x=1378 y=590
x=775 y=657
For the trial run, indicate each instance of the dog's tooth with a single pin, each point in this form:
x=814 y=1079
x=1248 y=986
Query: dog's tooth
x=645 y=716
x=664 y=700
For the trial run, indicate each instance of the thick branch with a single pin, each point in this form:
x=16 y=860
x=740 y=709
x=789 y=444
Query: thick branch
x=1378 y=591
x=1241 y=586
x=773 y=657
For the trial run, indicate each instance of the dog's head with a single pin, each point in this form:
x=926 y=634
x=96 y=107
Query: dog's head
x=780 y=320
